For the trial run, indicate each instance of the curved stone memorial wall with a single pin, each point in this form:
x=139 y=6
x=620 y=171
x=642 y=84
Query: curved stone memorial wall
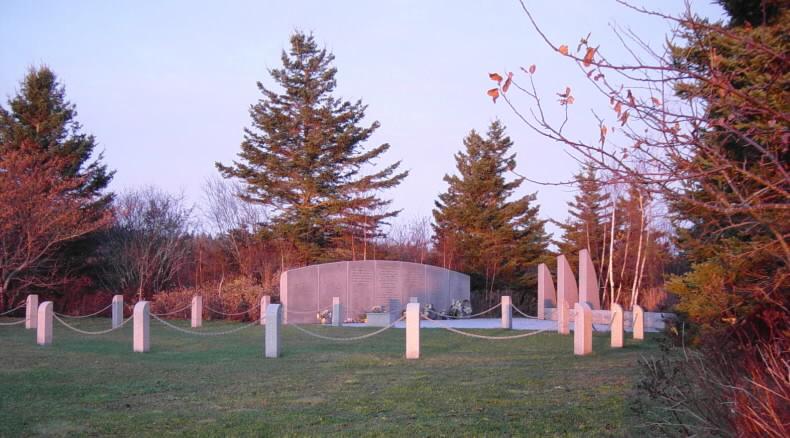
x=361 y=285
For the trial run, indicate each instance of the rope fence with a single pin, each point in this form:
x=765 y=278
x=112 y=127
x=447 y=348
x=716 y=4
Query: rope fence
x=522 y=313
x=13 y=323
x=349 y=339
x=473 y=335
x=15 y=308
x=173 y=312
x=197 y=333
x=82 y=316
x=88 y=332
x=235 y=313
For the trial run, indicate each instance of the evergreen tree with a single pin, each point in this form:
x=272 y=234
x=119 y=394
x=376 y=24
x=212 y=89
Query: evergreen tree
x=492 y=237
x=41 y=117
x=55 y=189
x=303 y=156
x=587 y=224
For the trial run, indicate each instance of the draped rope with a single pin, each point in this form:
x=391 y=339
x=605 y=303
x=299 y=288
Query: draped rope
x=83 y=316
x=87 y=332
x=522 y=313
x=173 y=312
x=197 y=333
x=472 y=335
x=353 y=338
x=15 y=308
x=13 y=323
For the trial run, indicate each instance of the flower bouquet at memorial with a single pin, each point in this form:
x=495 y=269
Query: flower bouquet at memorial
x=324 y=316
x=460 y=309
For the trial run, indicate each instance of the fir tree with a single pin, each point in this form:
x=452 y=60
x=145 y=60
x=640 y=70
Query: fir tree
x=587 y=224
x=302 y=158
x=40 y=116
x=490 y=236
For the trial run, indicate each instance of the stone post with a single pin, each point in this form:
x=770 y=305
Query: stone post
x=639 y=322
x=44 y=326
x=582 y=329
x=141 y=342
x=507 y=312
x=274 y=320
x=563 y=317
x=588 y=281
x=616 y=328
x=265 y=301
x=413 y=331
x=337 y=312
x=31 y=311
x=197 y=311
x=117 y=310
x=547 y=296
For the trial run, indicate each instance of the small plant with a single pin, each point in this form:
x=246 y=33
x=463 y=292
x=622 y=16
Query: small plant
x=324 y=316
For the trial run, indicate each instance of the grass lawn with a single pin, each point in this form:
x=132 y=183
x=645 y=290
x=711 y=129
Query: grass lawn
x=186 y=385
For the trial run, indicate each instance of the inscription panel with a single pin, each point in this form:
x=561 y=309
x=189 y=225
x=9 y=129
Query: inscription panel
x=360 y=285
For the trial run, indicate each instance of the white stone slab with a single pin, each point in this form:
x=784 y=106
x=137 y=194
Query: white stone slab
x=265 y=301
x=274 y=318
x=563 y=320
x=506 y=312
x=588 y=281
x=31 y=311
x=616 y=327
x=117 y=311
x=639 y=322
x=547 y=296
x=567 y=292
x=337 y=312
x=412 y=331
x=44 y=323
x=141 y=319
x=582 y=330
x=197 y=311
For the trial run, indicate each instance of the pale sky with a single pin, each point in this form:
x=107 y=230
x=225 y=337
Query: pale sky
x=166 y=86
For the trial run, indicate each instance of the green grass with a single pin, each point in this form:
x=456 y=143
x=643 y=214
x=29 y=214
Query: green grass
x=186 y=385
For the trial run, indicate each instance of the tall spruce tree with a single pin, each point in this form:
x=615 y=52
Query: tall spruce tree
x=495 y=239
x=41 y=139
x=586 y=226
x=303 y=158
x=41 y=117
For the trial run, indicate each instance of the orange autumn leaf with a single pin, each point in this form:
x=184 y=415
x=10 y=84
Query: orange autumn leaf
x=588 y=57
x=532 y=69
x=564 y=49
x=618 y=107
x=656 y=101
x=603 y=134
x=494 y=93
x=507 y=82
x=495 y=77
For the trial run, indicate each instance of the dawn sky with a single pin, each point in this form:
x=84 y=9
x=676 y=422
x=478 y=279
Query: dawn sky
x=166 y=86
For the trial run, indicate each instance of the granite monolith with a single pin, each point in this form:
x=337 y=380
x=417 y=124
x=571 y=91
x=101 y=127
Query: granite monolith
x=117 y=311
x=506 y=312
x=274 y=321
x=582 y=329
x=412 y=331
x=197 y=311
x=44 y=323
x=31 y=311
x=547 y=295
x=141 y=320
x=639 y=322
x=616 y=327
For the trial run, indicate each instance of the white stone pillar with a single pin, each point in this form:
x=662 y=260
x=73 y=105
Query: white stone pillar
x=44 y=326
x=274 y=320
x=547 y=296
x=616 y=328
x=337 y=312
x=31 y=311
x=265 y=301
x=582 y=329
x=588 y=281
x=563 y=318
x=639 y=322
x=197 y=311
x=413 y=331
x=507 y=312
x=117 y=310
x=141 y=342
